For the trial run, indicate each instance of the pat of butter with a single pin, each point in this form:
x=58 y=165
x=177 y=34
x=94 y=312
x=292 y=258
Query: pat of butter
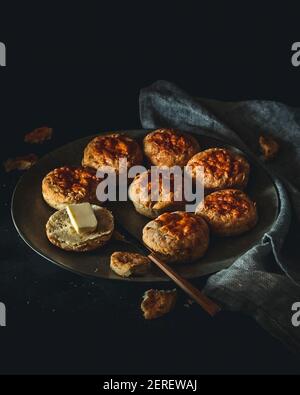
x=82 y=217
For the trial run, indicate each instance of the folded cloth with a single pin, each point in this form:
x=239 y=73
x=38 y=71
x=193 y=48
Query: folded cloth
x=265 y=281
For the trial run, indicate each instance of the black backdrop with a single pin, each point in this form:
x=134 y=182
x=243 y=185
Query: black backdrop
x=79 y=69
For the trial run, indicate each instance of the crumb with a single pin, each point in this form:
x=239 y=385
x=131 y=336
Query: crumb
x=157 y=303
x=189 y=303
x=268 y=146
x=126 y=264
x=119 y=237
x=20 y=163
x=38 y=135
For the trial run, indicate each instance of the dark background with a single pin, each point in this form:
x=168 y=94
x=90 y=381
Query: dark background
x=79 y=70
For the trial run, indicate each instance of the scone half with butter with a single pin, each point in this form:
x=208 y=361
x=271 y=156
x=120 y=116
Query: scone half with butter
x=81 y=227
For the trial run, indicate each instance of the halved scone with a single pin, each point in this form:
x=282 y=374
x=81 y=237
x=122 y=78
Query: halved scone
x=62 y=234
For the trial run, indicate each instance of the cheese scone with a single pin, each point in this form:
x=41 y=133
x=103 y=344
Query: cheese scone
x=157 y=303
x=62 y=234
x=126 y=264
x=177 y=237
x=106 y=150
x=69 y=185
x=228 y=212
x=169 y=197
x=169 y=147
x=222 y=168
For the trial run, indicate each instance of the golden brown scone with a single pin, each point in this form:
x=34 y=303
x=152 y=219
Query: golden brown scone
x=157 y=303
x=177 y=237
x=126 y=264
x=167 y=200
x=106 y=150
x=168 y=147
x=228 y=212
x=269 y=147
x=222 y=169
x=69 y=185
x=61 y=233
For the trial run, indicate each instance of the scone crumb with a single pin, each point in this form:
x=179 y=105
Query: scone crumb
x=269 y=147
x=38 y=135
x=126 y=264
x=20 y=163
x=157 y=303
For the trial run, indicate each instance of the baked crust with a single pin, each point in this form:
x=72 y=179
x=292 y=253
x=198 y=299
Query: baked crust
x=69 y=185
x=228 y=212
x=157 y=303
x=126 y=264
x=177 y=237
x=140 y=194
x=169 y=147
x=106 y=150
x=222 y=168
x=61 y=233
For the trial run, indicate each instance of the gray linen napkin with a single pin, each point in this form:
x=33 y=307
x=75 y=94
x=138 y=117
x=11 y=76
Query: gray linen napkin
x=265 y=281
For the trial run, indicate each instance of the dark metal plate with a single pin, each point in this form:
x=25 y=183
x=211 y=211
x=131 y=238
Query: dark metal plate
x=30 y=214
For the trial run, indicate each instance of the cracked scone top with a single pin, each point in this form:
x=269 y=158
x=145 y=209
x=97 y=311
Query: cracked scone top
x=169 y=194
x=106 y=150
x=69 y=185
x=180 y=224
x=222 y=168
x=169 y=147
x=177 y=237
x=228 y=212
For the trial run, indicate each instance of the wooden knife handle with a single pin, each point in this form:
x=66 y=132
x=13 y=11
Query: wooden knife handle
x=207 y=304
